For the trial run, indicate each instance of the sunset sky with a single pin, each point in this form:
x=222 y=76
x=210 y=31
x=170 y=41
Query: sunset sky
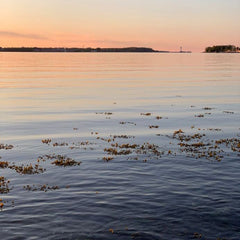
x=160 y=24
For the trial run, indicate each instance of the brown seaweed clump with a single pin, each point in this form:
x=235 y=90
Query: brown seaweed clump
x=64 y=161
x=229 y=112
x=214 y=129
x=4 y=185
x=123 y=136
x=148 y=148
x=207 y=108
x=107 y=159
x=105 y=139
x=46 y=141
x=146 y=114
x=43 y=188
x=1 y=204
x=114 y=151
x=5 y=146
x=28 y=169
x=153 y=126
x=60 y=144
x=105 y=113
x=197 y=235
x=126 y=145
x=4 y=164
x=178 y=132
x=203 y=148
x=199 y=116
x=233 y=143
x=141 y=150
x=128 y=123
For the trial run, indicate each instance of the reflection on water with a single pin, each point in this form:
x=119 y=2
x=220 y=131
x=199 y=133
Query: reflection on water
x=61 y=81
x=67 y=98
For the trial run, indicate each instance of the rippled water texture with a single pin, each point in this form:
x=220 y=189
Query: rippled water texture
x=157 y=136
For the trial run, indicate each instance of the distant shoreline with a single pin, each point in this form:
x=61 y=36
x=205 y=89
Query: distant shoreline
x=72 y=50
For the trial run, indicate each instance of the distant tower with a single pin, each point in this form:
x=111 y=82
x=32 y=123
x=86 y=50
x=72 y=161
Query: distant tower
x=180 y=49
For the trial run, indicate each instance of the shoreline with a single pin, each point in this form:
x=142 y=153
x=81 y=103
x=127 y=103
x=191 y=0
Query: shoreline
x=82 y=50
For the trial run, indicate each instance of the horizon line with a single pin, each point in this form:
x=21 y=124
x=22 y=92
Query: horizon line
x=96 y=49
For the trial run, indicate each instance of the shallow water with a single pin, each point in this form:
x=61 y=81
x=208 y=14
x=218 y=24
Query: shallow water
x=83 y=99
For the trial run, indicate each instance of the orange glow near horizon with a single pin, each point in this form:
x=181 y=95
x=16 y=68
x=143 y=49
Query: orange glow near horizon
x=162 y=25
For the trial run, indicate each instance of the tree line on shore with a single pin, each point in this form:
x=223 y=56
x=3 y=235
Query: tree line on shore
x=222 y=48
x=38 y=49
x=212 y=49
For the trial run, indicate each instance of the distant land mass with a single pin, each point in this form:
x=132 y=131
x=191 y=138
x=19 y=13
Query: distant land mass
x=89 y=49
x=222 y=49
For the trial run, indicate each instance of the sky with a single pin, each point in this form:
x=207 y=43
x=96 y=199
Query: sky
x=160 y=24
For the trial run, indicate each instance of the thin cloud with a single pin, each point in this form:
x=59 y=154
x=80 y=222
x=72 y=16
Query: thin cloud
x=21 y=35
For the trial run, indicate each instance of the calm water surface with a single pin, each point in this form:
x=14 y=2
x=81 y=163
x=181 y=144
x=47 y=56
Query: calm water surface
x=81 y=101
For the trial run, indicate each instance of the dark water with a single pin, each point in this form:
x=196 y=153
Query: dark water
x=83 y=100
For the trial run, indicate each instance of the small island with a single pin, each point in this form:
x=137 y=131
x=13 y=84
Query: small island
x=222 y=49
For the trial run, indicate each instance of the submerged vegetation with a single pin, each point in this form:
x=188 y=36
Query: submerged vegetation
x=193 y=142
x=190 y=142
